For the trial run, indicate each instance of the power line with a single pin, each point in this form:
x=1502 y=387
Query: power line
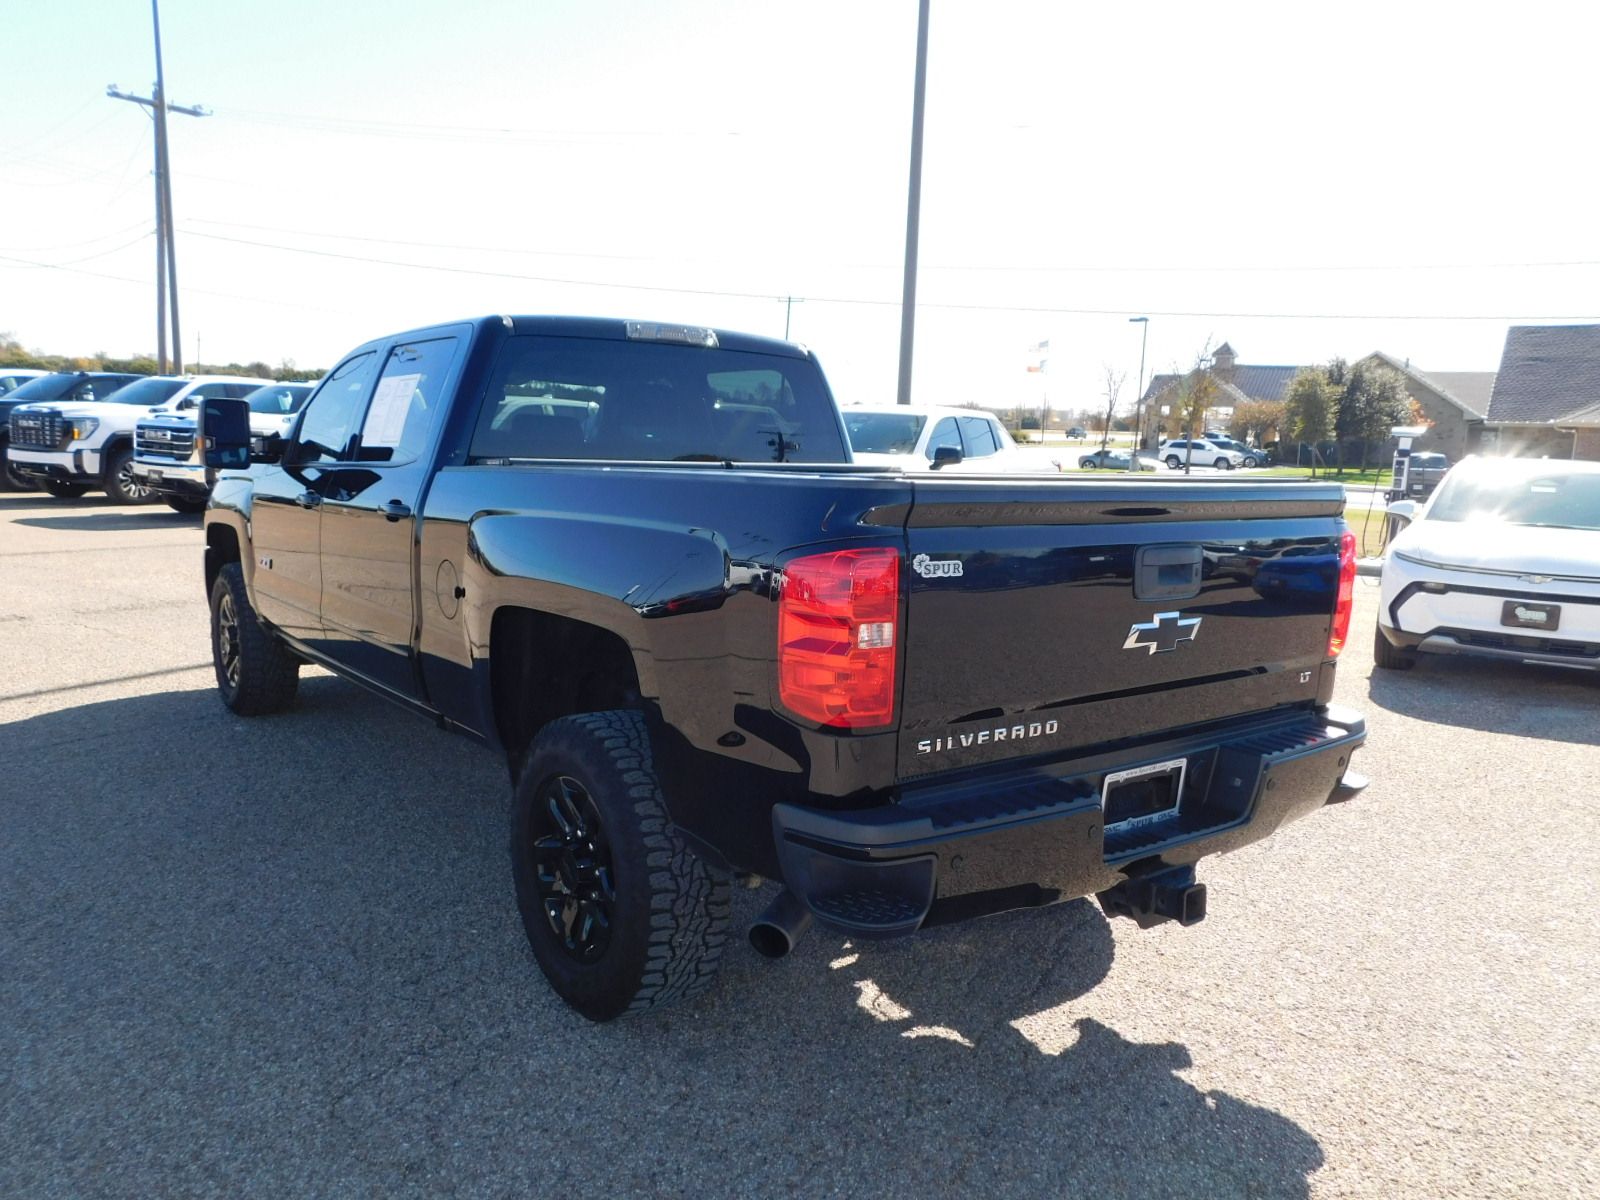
x=97 y=254
x=104 y=237
x=965 y=267
x=298 y=305
x=779 y=297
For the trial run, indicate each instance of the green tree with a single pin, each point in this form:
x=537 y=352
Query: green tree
x=1309 y=407
x=1372 y=402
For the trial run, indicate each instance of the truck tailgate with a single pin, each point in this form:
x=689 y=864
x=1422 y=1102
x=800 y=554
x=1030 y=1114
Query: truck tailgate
x=1049 y=616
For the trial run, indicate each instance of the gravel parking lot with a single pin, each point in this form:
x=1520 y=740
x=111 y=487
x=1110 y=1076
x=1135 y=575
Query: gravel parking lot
x=281 y=958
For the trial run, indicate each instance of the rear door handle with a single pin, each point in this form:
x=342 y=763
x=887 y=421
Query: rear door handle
x=396 y=510
x=308 y=499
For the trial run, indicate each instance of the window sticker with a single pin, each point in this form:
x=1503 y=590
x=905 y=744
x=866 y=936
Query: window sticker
x=386 y=419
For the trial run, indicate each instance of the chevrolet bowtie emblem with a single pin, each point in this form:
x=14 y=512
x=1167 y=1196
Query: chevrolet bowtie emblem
x=1162 y=634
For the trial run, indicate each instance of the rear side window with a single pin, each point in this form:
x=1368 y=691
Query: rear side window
x=583 y=398
x=409 y=396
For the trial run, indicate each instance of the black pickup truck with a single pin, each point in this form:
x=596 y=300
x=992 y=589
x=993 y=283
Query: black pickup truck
x=636 y=560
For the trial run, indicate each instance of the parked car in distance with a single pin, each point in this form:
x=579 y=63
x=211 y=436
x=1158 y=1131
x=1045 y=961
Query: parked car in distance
x=1204 y=454
x=70 y=448
x=72 y=387
x=1249 y=456
x=1078 y=432
x=929 y=438
x=11 y=378
x=1115 y=460
x=1425 y=472
x=1500 y=563
x=168 y=461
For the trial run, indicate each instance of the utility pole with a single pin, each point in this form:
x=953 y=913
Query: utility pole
x=788 y=307
x=1138 y=399
x=908 y=299
x=166 y=257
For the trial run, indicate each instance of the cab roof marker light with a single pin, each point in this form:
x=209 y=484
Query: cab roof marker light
x=684 y=335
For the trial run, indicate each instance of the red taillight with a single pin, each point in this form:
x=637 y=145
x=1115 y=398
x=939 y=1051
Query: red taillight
x=838 y=621
x=1347 y=594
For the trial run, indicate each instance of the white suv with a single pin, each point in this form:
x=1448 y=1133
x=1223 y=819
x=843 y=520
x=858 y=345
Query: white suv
x=1205 y=454
x=71 y=448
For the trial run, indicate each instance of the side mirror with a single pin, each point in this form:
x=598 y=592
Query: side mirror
x=225 y=432
x=266 y=448
x=946 y=456
x=1403 y=510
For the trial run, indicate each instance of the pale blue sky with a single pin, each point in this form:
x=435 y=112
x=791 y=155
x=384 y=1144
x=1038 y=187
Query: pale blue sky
x=1086 y=162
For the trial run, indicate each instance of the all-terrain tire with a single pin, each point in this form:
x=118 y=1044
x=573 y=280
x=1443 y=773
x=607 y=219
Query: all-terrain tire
x=666 y=919
x=1391 y=657
x=65 y=491
x=256 y=674
x=185 y=504
x=121 y=484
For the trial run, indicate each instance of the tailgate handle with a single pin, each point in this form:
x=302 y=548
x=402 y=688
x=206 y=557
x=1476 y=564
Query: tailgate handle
x=1167 y=572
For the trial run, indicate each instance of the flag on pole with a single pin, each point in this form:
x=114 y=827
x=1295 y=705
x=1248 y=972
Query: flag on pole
x=1038 y=357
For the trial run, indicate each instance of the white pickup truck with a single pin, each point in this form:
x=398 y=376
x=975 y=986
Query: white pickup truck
x=72 y=448
x=168 y=461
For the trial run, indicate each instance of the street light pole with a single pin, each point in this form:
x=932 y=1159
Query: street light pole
x=1138 y=403
x=908 y=299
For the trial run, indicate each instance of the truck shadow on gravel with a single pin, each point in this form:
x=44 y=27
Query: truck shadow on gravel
x=1495 y=697
x=154 y=517
x=283 y=955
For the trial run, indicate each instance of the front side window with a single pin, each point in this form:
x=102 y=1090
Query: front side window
x=977 y=438
x=330 y=420
x=944 y=433
x=556 y=397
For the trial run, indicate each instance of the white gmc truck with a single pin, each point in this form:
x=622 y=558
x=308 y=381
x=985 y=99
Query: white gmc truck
x=72 y=448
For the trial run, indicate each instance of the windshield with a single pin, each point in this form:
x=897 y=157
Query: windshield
x=278 y=400
x=1563 y=501
x=68 y=385
x=149 y=391
x=883 y=433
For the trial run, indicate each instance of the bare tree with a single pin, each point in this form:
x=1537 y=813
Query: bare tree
x=1194 y=393
x=1114 y=380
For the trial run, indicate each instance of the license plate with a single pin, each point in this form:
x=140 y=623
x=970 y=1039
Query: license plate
x=1141 y=795
x=1522 y=614
x=153 y=474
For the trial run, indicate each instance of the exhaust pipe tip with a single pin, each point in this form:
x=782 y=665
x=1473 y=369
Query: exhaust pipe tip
x=776 y=931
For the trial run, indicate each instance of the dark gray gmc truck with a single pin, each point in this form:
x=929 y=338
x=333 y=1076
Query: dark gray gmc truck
x=637 y=561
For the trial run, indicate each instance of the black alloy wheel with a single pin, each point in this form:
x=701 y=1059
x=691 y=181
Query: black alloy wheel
x=573 y=869
x=256 y=674
x=620 y=912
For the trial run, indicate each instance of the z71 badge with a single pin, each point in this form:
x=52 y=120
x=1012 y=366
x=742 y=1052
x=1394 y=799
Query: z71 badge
x=936 y=568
